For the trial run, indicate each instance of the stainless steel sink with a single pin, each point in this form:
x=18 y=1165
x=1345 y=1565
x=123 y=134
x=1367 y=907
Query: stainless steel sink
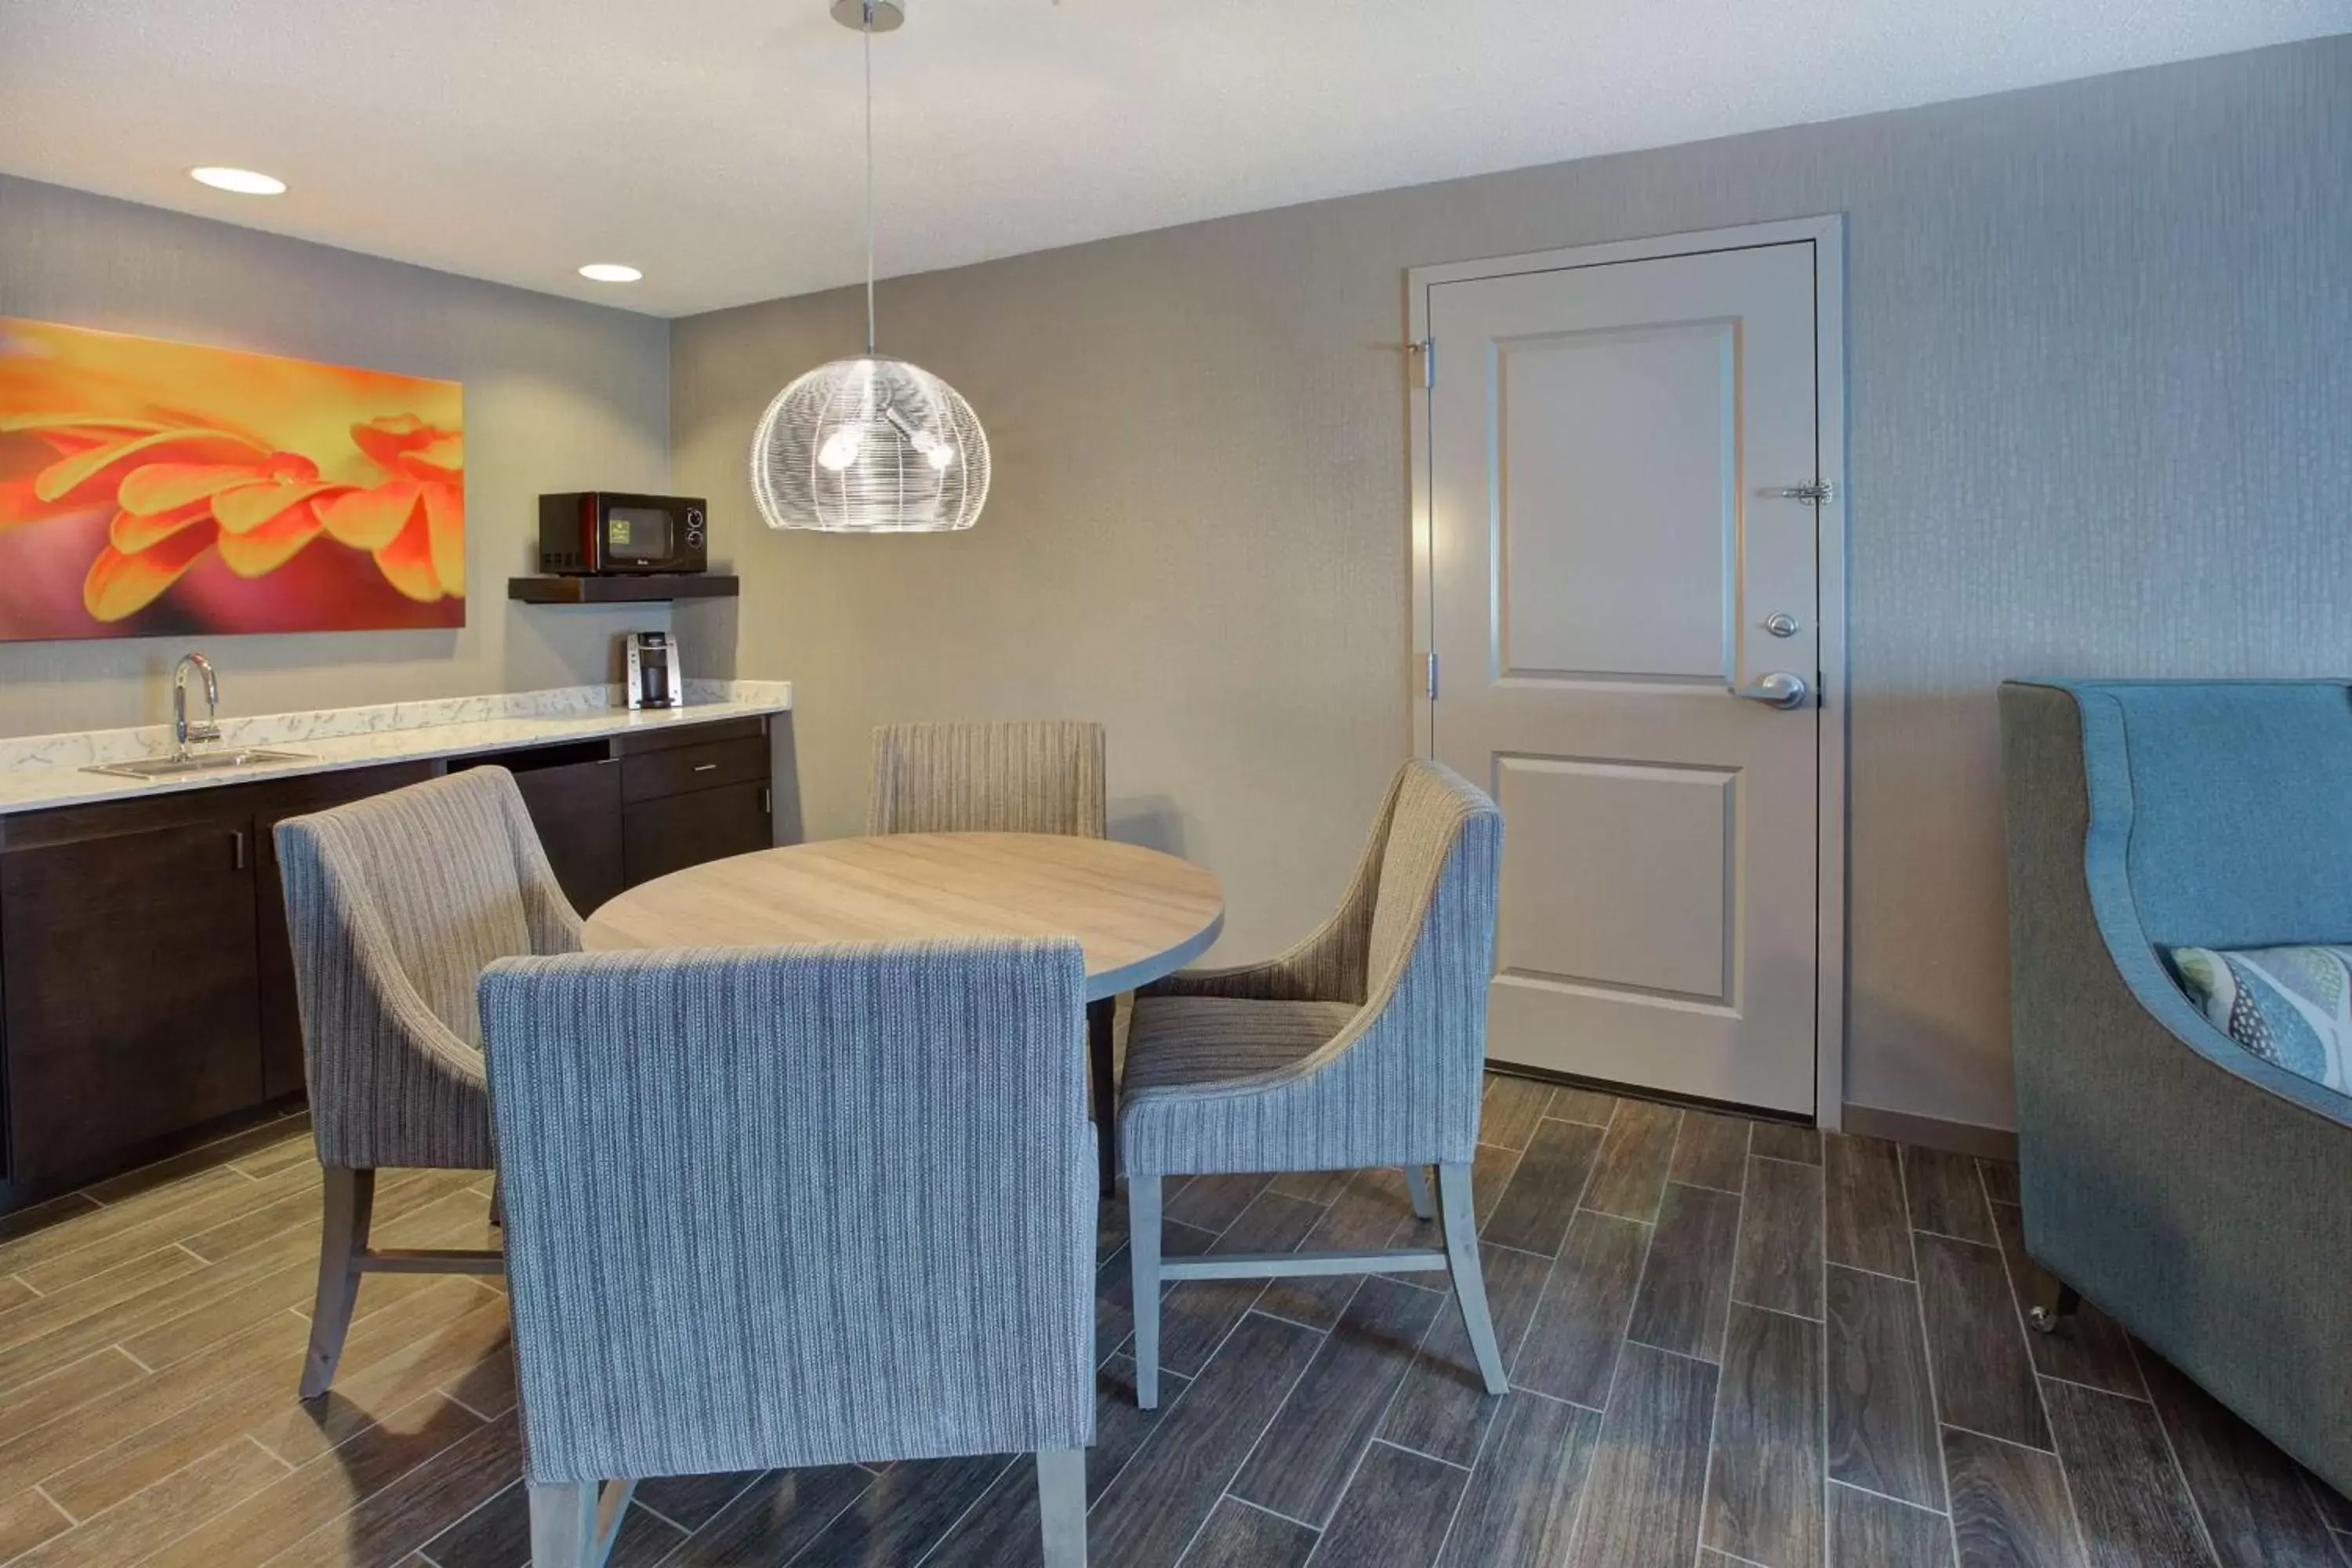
x=197 y=763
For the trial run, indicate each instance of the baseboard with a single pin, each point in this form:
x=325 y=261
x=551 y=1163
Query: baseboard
x=1637 y=1092
x=1932 y=1131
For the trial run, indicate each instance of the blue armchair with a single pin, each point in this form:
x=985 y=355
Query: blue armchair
x=2198 y=1194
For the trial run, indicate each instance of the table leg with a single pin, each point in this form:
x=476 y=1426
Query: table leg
x=1100 y=1020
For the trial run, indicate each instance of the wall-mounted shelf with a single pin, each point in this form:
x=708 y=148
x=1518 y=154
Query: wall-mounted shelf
x=622 y=590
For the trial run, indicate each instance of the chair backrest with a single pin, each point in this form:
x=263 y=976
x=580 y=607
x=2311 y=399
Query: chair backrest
x=1029 y=776
x=797 y=1206
x=1440 y=862
x=439 y=870
x=2238 y=797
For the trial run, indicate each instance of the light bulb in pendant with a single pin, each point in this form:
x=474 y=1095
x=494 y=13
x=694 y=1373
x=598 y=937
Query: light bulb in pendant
x=936 y=452
x=840 y=449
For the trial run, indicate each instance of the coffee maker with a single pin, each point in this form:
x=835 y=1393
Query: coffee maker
x=656 y=679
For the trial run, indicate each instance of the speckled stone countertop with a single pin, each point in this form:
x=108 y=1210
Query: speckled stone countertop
x=41 y=770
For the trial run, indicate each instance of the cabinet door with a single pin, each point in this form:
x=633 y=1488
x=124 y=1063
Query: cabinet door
x=577 y=809
x=660 y=837
x=129 y=963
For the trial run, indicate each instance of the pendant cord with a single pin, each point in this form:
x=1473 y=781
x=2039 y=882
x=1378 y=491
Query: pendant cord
x=869 y=177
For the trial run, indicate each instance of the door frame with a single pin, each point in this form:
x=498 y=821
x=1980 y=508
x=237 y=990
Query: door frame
x=1827 y=236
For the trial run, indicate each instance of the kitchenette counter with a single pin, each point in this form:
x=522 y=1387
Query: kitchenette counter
x=110 y=1058
x=40 y=772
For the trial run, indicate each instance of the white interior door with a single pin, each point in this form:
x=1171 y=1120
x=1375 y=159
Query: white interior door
x=1626 y=613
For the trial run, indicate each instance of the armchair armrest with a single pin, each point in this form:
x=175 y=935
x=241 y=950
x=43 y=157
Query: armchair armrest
x=411 y=1026
x=1329 y=964
x=390 y=1083
x=555 y=926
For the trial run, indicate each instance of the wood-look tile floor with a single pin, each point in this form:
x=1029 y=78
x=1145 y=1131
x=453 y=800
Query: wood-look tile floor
x=1731 y=1343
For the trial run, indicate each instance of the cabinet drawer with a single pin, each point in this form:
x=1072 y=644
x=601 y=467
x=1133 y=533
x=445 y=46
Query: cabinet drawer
x=651 y=774
x=668 y=737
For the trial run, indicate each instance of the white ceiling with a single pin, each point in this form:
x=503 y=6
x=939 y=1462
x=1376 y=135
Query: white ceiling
x=715 y=142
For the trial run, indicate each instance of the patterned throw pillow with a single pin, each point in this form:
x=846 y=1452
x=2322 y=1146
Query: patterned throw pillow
x=2285 y=1005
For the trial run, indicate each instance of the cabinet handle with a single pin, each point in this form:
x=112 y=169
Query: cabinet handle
x=767 y=802
x=706 y=767
x=237 y=850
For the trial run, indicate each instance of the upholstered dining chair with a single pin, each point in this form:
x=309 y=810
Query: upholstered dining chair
x=790 y=1206
x=1027 y=776
x=396 y=904
x=1364 y=1046
x=1031 y=775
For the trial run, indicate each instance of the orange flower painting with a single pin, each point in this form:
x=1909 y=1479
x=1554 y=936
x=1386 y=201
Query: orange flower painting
x=150 y=488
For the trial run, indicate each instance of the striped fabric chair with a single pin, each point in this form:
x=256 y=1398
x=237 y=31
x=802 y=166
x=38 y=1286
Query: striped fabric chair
x=792 y=1206
x=395 y=905
x=1034 y=776
x=1365 y=1046
x=1037 y=775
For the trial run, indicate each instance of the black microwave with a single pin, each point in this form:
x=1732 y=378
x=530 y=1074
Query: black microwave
x=603 y=533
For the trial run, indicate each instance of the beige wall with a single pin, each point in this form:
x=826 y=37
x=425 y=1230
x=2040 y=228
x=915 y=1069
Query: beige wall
x=559 y=396
x=2101 y=423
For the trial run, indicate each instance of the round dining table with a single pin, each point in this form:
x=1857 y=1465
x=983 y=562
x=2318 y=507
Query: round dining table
x=1136 y=913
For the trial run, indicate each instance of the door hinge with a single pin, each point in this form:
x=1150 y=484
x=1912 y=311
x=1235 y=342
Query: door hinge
x=1429 y=675
x=1427 y=350
x=1819 y=493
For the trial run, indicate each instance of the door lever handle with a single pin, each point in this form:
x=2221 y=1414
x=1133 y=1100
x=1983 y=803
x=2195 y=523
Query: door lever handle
x=1781 y=689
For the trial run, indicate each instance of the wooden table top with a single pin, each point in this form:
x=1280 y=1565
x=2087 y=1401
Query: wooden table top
x=1139 y=914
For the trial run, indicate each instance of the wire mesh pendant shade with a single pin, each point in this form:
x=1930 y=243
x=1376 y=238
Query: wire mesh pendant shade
x=872 y=445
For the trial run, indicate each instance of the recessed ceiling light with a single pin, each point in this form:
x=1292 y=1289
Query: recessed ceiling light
x=243 y=182
x=610 y=272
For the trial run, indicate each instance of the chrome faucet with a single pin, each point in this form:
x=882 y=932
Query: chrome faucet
x=182 y=731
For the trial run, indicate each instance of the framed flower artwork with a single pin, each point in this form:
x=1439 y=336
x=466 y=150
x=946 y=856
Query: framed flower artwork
x=150 y=488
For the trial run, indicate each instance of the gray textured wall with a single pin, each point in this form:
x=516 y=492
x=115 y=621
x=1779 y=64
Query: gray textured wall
x=559 y=396
x=2101 y=406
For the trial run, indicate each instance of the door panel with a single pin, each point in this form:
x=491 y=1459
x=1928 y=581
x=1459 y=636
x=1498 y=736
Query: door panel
x=1659 y=837
x=1597 y=429
x=1606 y=541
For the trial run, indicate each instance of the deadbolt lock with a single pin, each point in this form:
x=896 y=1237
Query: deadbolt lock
x=1782 y=624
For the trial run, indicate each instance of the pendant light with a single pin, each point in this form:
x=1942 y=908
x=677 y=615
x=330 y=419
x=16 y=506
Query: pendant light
x=870 y=445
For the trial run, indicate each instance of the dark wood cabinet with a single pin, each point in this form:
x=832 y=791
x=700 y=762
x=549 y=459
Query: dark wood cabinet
x=130 y=966
x=146 y=982
x=576 y=806
x=660 y=837
x=691 y=795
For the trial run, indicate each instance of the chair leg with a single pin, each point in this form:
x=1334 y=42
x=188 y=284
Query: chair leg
x=2056 y=1302
x=574 y=1525
x=1143 y=1273
x=498 y=1202
x=342 y=1236
x=1461 y=1228
x=1416 y=1180
x=1102 y=1021
x=1062 y=1505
